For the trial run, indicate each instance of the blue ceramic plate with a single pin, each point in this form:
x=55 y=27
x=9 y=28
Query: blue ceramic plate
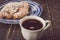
x=36 y=9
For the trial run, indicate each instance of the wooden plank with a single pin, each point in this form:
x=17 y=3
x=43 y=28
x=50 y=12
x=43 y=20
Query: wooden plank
x=55 y=16
x=3 y=31
x=1 y=0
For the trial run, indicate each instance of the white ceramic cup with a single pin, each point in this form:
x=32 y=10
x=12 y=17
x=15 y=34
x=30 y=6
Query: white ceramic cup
x=33 y=34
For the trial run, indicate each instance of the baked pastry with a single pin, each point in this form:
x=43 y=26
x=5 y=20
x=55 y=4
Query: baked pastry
x=5 y=14
x=20 y=14
x=15 y=10
x=1 y=14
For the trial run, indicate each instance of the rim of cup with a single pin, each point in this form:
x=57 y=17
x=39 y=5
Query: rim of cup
x=32 y=17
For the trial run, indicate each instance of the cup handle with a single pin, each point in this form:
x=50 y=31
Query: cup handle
x=48 y=24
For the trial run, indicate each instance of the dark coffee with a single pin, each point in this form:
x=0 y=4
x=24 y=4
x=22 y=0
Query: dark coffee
x=32 y=24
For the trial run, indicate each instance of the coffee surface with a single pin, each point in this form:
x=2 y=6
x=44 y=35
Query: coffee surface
x=32 y=24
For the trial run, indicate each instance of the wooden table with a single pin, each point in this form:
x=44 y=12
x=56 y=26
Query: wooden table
x=51 y=12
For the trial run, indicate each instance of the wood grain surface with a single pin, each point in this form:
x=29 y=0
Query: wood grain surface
x=51 y=11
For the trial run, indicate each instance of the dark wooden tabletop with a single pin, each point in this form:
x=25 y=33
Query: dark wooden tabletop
x=51 y=11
